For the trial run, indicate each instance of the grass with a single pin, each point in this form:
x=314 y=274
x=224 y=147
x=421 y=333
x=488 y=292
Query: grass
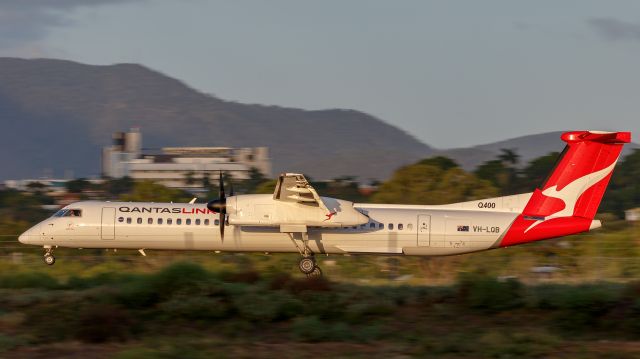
x=185 y=309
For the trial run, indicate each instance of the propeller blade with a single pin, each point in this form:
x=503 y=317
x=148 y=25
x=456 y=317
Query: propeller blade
x=221 y=188
x=222 y=224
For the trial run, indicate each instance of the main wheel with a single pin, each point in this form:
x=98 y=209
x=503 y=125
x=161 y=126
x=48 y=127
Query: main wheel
x=317 y=273
x=307 y=265
x=49 y=259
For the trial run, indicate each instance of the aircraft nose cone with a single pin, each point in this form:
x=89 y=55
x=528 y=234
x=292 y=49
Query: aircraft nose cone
x=29 y=236
x=24 y=238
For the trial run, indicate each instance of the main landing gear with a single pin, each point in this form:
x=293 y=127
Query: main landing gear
x=307 y=263
x=308 y=266
x=49 y=259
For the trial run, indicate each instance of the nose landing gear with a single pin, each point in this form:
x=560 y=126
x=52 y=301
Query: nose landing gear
x=49 y=259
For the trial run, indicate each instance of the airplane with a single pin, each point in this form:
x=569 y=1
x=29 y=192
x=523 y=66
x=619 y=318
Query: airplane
x=296 y=219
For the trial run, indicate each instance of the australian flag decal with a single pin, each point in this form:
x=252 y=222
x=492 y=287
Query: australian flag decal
x=463 y=228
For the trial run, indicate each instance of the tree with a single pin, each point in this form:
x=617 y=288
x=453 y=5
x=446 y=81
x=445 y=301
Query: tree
x=206 y=182
x=537 y=171
x=148 y=191
x=344 y=187
x=256 y=178
x=266 y=187
x=189 y=178
x=429 y=184
x=501 y=172
x=36 y=186
x=118 y=186
x=509 y=157
x=441 y=162
x=624 y=190
x=77 y=185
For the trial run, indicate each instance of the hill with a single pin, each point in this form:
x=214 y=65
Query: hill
x=57 y=115
x=528 y=147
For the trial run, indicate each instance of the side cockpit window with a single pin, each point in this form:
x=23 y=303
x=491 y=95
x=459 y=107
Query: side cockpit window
x=68 y=213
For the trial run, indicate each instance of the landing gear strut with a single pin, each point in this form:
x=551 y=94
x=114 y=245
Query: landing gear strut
x=307 y=263
x=49 y=259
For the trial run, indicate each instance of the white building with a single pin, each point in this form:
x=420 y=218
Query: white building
x=632 y=215
x=180 y=167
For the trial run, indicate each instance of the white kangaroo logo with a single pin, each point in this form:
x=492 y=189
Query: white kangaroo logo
x=571 y=192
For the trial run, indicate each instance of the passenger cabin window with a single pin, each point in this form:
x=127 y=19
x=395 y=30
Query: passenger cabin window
x=390 y=226
x=129 y=220
x=216 y=222
x=139 y=220
x=169 y=221
x=159 y=220
x=188 y=222
x=198 y=222
x=400 y=226
x=179 y=221
x=206 y=222
x=150 y=221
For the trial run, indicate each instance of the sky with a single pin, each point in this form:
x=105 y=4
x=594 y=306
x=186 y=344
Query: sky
x=451 y=73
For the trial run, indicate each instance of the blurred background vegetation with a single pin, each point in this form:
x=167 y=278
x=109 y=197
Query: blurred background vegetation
x=554 y=298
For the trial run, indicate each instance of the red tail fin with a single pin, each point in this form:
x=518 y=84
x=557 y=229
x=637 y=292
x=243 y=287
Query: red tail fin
x=569 y=199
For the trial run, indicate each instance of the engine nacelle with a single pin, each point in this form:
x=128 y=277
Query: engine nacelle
x=263 y=210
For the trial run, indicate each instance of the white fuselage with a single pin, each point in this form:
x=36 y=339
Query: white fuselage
x=391 y=229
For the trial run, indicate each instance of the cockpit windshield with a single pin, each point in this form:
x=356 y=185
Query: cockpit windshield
x=66 y=212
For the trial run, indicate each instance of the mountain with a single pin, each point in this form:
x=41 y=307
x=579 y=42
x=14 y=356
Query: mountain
x=528 y=147
x=57 y=115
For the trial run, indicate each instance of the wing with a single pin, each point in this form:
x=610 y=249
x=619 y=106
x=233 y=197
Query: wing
x=294 y=187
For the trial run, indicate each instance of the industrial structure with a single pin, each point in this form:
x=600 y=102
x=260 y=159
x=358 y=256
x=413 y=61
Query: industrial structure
x=180 y=167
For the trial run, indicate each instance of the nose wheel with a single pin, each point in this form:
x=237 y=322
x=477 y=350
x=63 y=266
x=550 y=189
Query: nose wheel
x=49 y=259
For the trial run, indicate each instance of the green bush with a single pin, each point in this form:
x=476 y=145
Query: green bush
x=360 y=311
x=75 y=282
x=28 y=280
x=267 y=306
x=196 y=308
x=489 y=294
x=323 y=305
x=582 y=308
x=8 y=343
x=312 y=329
x=99 y=323
x=184 y=278
x=177 y=277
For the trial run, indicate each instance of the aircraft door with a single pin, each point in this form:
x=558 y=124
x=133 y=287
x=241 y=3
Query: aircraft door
x=424 y=230
x=108 y=223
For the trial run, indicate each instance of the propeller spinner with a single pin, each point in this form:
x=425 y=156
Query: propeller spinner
x=220 y=206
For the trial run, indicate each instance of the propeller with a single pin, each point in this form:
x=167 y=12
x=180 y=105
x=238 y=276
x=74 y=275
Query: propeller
x=220 y=205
